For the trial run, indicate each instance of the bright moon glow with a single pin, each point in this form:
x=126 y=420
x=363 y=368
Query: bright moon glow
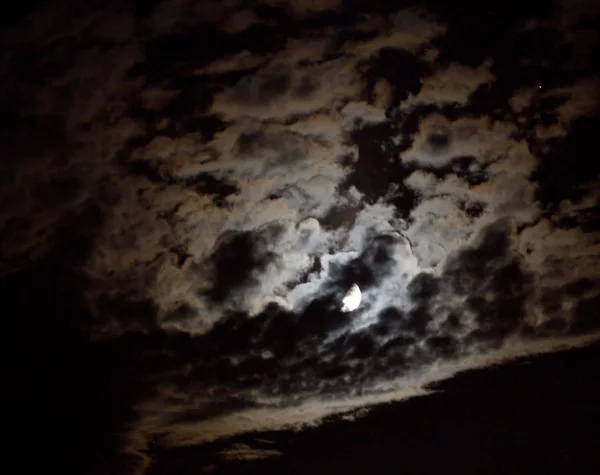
x=352 y=299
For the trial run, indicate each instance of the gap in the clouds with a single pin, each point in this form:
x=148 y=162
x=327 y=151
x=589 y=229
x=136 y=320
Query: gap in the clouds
x=207 y=184
x=543 y=112
x=142 y=9
x=87 y=389
x=591 y=63
x=591 y=219
x=146 y=169
x=20 y=12
x=380 y=7
x=477 y=31
x=168 y=55
x=569 y=165
x=189 y=102
x=588 y=220
x=337 y=20
x=535 y=59
x=401 y=68
x=204 y=44
x=333 y=22
x=207 y=125
x=590 y=23
x=378 y=167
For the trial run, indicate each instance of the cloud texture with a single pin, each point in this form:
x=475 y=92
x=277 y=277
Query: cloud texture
x=238 y=170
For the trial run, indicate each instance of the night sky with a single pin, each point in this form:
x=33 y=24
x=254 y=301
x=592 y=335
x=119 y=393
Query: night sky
x=191 y=191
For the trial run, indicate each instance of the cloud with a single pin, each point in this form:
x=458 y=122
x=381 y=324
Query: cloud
x=177 y=15
x=245 y=452
x=408 y=30
x=281 y=92
x=309 y=412
x=584 y=100
x=306 y=7
x=233 y=195
x=451 y=84
x=478 y=301
x=239 y=21
x=476 y=173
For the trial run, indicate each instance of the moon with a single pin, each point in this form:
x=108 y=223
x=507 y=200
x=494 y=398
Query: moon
x=352 y=299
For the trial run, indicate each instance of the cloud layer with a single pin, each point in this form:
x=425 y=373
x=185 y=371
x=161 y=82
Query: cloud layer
x=238 y=170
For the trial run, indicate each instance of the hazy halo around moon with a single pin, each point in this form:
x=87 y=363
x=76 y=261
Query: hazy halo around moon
x=352 y=299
